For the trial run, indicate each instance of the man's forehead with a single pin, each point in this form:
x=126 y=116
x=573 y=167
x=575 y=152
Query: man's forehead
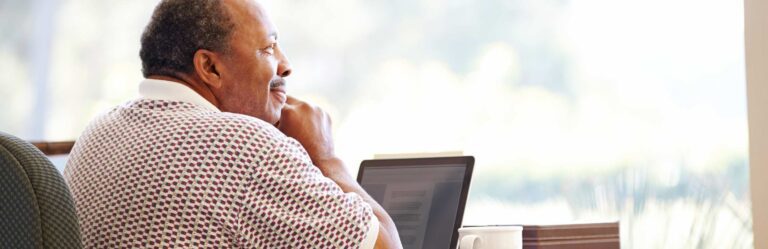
x=252 y=14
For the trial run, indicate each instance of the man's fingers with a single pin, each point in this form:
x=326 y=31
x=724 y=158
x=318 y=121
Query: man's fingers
x=288 y=110
x=290 y=103
x=291 y=100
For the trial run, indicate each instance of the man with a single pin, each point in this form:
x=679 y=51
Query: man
x=215 y=154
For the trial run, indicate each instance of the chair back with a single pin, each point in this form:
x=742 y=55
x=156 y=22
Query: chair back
x=36 y=207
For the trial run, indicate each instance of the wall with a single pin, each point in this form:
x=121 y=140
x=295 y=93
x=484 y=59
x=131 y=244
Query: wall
x=756 y=21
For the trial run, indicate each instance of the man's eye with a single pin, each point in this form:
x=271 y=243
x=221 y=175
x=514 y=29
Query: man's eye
x=270 y=49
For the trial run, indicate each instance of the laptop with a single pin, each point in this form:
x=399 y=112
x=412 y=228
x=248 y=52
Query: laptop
x=424 y=196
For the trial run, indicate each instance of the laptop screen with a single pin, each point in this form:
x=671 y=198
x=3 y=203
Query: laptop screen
x=424 y=198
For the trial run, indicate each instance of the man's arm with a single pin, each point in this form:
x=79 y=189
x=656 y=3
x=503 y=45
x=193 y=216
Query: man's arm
x=335 y=170
x=312 y=128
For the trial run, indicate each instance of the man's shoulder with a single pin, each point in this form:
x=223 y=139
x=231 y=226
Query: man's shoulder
x=186 y=118
x=237 y=125
x=247 y=126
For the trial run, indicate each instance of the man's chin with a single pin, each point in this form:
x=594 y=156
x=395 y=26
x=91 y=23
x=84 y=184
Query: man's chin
x=275 y=110
x=270 y=116
x=273 y=117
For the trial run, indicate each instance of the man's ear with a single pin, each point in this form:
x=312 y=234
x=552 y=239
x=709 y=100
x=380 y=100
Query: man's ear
x=208 y=67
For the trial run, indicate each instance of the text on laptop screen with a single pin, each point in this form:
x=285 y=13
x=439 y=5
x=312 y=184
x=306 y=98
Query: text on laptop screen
x=422 y=200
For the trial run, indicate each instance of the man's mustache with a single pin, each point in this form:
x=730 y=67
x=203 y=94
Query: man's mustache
x=275 y=83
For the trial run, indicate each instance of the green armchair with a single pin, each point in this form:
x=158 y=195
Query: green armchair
x=36 y=207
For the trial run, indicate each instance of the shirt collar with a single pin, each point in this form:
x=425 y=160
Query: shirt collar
x=172 y=91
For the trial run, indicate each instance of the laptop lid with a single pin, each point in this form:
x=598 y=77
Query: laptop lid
x=424 y=196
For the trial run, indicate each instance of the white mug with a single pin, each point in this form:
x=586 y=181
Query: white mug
x=491 y=237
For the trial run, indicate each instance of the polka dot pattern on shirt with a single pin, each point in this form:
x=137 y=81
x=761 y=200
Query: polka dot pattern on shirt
x=168 y=174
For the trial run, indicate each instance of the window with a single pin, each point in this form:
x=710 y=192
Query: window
x=575 y=110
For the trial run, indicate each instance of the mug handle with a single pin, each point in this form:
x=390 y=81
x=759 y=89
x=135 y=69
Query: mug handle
x=468 y=242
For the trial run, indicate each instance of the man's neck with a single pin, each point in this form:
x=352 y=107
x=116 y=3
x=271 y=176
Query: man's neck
x=197 y=85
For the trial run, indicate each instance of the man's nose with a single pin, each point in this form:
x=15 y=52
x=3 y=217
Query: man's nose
x=283 y=66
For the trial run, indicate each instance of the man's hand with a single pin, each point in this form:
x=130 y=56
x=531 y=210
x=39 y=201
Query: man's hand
x=309 y=125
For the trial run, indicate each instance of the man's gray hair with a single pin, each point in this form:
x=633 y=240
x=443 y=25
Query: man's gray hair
x=178 y=29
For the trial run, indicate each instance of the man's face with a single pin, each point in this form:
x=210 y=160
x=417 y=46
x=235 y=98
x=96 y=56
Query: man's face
x=253 y=72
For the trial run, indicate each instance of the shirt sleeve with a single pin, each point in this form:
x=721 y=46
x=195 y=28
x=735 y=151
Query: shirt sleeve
x=288 y=203
x=373 y=233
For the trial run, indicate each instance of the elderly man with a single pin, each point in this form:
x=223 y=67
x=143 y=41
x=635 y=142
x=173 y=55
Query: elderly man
x=214 y=153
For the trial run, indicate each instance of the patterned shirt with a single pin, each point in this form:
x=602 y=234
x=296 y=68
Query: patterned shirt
x=169 y=170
